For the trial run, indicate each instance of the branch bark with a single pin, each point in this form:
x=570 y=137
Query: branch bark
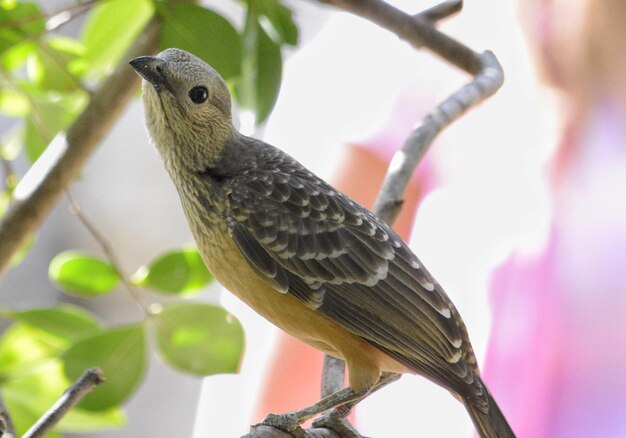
x=75 y=393
x=105 y=106
x=488 y=76
x=6 y=424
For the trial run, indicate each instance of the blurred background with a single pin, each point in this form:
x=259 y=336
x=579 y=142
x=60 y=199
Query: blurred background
x=518 y=210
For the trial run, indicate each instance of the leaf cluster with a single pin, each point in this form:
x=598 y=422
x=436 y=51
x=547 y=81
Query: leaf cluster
x=46 y=81
x=47 y=348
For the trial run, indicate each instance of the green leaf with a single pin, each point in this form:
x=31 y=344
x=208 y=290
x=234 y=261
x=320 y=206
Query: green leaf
x=13 y=103
x=261 y=69
x=19 y=21
x=16 y=56
x=80 y=274
x=204 y=33
x=67 y=322
x=110 y=29
x=277 y=21
x=51 y=113
x=268 y=76
x=199 y=339
x=53 y=65
x=80 y=420
x=11 y=144
x=21 y=253
x=23 y=346
x=176 y=272
x=5 y=199
x=28 y=394
x=121 y=355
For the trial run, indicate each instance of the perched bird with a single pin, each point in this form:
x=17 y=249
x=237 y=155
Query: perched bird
x=303 y=255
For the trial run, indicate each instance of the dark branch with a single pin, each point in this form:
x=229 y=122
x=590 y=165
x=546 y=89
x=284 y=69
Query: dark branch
x=408 y=157
x=6 y=425
x=75 y=393
x=441 y=11
x=333 y=375
x=416 y=30
x=107 y=248
x=262 y=431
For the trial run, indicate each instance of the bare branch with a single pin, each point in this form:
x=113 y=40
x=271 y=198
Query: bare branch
x=109 y=253
x=441 y=10
x=263 y=431
x=105 y=106
x=10 y=179
x=64 y=16
x=6 y=425
x=75 y=393
x=406 y=159
x=333 y=375
x=416 y=30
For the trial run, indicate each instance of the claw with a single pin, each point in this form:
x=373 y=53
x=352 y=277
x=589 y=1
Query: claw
x=288 y=422
x=336 y=421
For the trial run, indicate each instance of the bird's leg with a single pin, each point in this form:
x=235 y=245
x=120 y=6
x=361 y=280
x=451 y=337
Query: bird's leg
x=336 y=419
x=290 y=421
x=385 y=379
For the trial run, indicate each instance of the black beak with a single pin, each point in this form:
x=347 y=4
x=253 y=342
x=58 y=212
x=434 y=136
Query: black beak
x=152 y=69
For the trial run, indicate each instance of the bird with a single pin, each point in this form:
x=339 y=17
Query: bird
x=303 y=255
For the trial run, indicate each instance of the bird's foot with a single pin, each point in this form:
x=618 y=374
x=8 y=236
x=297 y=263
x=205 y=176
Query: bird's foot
x=288 y=422
x=336 y=420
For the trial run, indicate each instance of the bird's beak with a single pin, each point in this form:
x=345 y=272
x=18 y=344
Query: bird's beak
x=152 y=69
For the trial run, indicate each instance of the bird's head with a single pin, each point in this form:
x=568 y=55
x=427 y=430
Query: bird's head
x=187 y=105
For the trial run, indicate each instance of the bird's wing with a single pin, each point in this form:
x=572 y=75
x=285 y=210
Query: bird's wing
x=335 y=256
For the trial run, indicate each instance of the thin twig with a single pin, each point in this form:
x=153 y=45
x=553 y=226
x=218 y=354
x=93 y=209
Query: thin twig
x=105 y=106
x=417 y=31
x=34 y=114
x=58 y=60
x=59 y=15
x=441 y=10
x=404 y=162
x=10 y=178
x=59 y=18
x=75 y=393
x=108 y=252
x=6 y=425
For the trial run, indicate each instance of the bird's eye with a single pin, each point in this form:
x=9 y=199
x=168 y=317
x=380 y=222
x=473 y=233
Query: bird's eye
x=198 y=94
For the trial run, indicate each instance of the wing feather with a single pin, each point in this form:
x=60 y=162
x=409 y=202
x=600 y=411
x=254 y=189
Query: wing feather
x=317 y=244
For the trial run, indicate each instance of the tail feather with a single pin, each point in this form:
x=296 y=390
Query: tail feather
x=491 y=424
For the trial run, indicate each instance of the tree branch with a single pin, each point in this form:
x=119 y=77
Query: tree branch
x=419 y=31
x=442 y=10
x=105 y=106
x=109 y=253
x=6 y=424
x=75 y=393
x=263 y=431
x=333 y=375
x=404 y=161
x=416 y=30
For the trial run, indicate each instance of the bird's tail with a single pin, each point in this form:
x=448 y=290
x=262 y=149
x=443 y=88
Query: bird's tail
x=491 y=424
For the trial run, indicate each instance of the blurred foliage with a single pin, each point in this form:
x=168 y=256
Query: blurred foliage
x=80 y=274
x=46 y=79
x=199 y=339
x=179 y=272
